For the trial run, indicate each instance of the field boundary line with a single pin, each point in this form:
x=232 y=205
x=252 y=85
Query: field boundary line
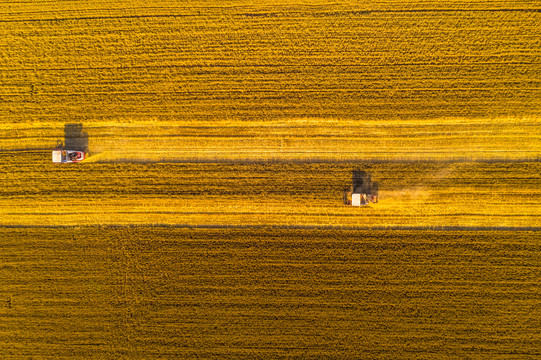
x=84 y=68
x=278 y=227
x=322 y=161
x=285 y=160
x=186 y=15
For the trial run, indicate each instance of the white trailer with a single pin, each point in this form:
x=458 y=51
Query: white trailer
x=355 y=199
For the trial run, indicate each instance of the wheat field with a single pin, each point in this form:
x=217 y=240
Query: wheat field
x=240 y=60
x=207 y=221
x=96 y=293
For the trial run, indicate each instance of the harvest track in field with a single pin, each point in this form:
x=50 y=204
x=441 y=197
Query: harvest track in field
x=295 y=140
x=468 y=195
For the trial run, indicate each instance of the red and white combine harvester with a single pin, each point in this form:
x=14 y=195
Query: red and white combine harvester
x=68 y=156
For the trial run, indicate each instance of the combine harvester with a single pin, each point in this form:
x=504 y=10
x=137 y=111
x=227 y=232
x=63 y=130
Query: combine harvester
x=68 y=156
x=362 y=190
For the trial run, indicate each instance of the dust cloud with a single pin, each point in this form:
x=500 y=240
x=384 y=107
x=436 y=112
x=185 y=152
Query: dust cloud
x=420 y=192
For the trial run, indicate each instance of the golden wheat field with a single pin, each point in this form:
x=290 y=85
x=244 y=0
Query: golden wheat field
x=141 y=293
x=208 y=220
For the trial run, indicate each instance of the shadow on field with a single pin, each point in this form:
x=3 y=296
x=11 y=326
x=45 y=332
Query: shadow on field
x=362 y=182
x=75 y=138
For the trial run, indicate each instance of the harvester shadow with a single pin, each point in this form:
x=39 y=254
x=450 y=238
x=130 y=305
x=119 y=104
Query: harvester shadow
x=362 y=182
x=75 y=138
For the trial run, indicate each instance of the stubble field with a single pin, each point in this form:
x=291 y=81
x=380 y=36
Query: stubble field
x=208 y=220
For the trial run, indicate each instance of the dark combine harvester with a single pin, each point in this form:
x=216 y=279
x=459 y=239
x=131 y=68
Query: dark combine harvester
x=362 y=190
